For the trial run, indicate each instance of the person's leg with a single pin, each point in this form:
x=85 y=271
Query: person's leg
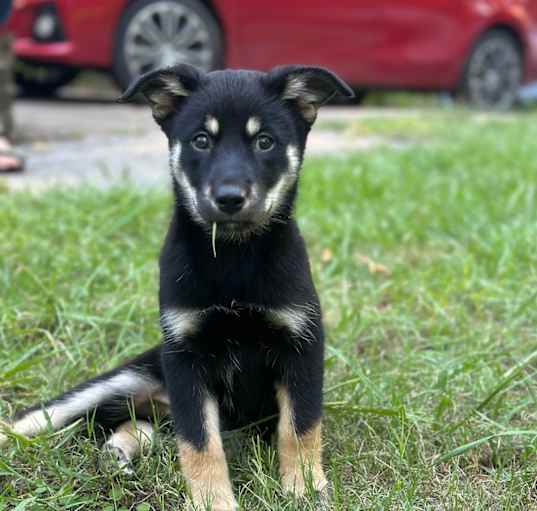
x=6 y=84
x=10 y=161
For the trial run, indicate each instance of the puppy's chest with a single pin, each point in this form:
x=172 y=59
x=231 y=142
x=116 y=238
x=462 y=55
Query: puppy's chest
x=243 y=382
x=244 y=348
x=241 y=328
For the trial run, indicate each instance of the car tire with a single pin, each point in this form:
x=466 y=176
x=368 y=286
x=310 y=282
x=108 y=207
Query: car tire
x=159 y=33
x=42 y=80
x=493 y=73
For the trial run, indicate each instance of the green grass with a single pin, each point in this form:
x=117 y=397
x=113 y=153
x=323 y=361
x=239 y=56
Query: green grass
x=425 y=258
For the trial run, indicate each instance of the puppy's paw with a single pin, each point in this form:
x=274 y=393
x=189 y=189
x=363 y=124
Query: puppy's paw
x=323 y=498
x=215 y=504
x=115 y=457
x=213 y=499
x=294 y=484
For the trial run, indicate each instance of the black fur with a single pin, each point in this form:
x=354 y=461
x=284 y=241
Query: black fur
x=238 y=352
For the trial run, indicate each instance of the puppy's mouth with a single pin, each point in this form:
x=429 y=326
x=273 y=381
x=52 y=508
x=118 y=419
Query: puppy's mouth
x=236 y=226
x=240 y=222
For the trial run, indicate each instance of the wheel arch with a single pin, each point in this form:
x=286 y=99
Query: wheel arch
x=507 y=28
x=500 y=28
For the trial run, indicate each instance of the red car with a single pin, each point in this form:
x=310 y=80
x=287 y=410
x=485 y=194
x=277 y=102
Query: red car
x=484 y=49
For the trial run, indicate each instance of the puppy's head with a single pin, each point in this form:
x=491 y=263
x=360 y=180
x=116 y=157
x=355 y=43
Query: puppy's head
x=236 y=138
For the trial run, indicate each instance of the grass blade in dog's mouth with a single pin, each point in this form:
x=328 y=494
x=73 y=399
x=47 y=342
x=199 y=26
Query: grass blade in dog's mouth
x=213 y=238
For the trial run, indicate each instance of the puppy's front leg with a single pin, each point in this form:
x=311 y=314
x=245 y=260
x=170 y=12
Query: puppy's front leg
x=201 y=453
x=299 y=430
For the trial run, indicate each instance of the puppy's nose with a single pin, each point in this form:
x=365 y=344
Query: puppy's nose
x=230 y=198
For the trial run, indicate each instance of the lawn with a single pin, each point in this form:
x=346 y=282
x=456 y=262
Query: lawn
x=425 y=258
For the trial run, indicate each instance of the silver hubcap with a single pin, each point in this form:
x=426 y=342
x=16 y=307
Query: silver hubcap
x=167 y=33
x=495 y=74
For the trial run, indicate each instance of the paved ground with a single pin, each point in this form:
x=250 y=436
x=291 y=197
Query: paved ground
x=80 y=140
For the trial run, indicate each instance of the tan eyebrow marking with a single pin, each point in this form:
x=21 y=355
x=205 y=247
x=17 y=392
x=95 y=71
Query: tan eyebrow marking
x=212 y=125
x=253 y=126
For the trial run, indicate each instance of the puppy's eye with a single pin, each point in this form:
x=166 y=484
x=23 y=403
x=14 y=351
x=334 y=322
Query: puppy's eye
x=201 y=142
x=264 y=142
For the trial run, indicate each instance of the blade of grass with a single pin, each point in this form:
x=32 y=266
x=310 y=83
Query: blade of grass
x=480 y=441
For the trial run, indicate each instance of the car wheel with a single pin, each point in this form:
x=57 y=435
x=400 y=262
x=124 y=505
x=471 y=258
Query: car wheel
x=494 y=71
x=160 y=33
x=42 y=80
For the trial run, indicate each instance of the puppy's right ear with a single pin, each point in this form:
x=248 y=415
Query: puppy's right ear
x=164 y=88
x=307 y=87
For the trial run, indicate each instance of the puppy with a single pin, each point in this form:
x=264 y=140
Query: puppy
x=242 y=338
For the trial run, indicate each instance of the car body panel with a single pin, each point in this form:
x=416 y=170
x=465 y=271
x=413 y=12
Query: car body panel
x=416 y=44
x=368 y=42
x=89 y=28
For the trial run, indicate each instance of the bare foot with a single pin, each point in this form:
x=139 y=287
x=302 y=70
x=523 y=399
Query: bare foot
x=10 y=161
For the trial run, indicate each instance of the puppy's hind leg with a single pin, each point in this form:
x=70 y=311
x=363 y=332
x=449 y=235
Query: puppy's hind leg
x=129 y=440
x=108 y=395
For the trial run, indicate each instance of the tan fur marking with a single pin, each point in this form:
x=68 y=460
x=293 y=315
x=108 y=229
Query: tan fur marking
x=308 y=110
x=287 y=180
x=212 y=125
x=206 y=471
x=162 y=398
x=162 y=103
x=35 y=422
x=128 y=383
x=308 y=102
x=177 y=323
x=298 y=455
x=158 y=402
x=162 y=100
x=173 y=85
x=297 y=318
x=253 y=126
x=295 y=87
x=131 y=438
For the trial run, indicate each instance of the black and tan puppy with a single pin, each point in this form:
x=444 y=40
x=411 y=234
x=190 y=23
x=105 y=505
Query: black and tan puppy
x=241 y=322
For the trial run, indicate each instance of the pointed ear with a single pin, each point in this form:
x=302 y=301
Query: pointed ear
x=164 y=88
x=308 y=87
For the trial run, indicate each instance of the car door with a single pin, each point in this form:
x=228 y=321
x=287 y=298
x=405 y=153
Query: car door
x=368 y=42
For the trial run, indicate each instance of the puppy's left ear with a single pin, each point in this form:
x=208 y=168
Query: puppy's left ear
x=308 y=87
x=164 y=89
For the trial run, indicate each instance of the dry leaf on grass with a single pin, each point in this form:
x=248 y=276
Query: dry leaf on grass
x=373 y=266
x=326 y=255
